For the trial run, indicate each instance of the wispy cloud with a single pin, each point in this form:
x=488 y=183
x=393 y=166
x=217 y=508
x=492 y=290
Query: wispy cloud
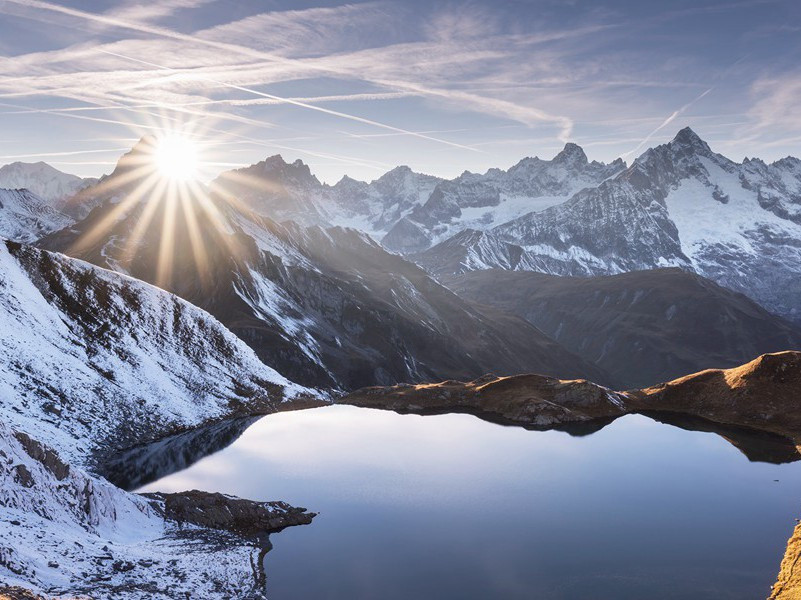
x=416 y=75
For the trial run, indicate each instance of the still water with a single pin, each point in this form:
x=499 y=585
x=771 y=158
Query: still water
x=440 y=507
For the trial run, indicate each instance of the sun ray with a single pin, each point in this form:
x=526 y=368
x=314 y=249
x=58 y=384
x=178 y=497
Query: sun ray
x=195 y=238
x=164 y=268
x=145 y=218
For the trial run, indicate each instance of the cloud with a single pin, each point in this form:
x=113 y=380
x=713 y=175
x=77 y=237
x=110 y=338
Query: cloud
x=154 y=10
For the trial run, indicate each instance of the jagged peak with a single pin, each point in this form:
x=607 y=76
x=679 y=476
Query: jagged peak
x=687 y=138
x=571 y=153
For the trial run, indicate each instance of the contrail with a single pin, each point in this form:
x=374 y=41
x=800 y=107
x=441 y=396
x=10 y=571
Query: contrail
x=294 y=102
x=71 y=153
x=667 y=122
x=167 y=33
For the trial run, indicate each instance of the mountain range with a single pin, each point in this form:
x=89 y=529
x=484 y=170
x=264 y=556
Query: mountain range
x=679 y=204
x=292 y=266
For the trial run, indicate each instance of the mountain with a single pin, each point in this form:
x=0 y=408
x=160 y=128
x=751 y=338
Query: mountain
x=289 y=192
x=328 y=307
x=641 y=327
x=135 y=173
x=45 y=181
x=681 y=205
x=480 y=202
x=409 y=210
x=26 y=217
x=94 y=360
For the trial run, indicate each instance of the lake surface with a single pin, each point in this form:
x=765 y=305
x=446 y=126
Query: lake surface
x=450 y=506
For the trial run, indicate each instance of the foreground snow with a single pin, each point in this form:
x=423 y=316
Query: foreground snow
x=94 y=361
x=67 y=533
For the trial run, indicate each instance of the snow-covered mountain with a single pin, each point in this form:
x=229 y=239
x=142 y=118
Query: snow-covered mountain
x=327 y=307
x=680 y=204
x=409 y=211
x=45 y=181
x=68 y=534
x=26 y=217
x=289 y=192
x=91 y=360
x=480 y=202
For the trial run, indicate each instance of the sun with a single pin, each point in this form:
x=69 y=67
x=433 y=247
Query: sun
x=176 y=157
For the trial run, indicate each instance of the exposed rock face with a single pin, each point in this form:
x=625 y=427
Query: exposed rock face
x=410 y=211
x=642 y=327
x=220 y=511
x=531 y=401
x=289 y=192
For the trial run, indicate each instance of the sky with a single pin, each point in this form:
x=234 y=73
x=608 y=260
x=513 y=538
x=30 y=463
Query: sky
x=358 y=88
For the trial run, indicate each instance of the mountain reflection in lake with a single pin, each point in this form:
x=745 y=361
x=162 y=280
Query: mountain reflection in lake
x=454 y=507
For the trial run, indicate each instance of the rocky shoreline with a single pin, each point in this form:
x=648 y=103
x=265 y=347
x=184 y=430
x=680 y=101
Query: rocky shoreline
x=760 y=396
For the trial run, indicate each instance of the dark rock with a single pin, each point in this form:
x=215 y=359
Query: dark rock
x=39 y=452
x=219 y=511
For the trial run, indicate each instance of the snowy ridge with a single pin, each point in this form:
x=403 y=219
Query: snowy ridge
x=47 y=182
x=25 y=217
x=481 y=202
x=411 y=211
x=90 y=358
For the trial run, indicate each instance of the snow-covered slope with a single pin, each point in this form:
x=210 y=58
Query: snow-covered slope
x=680 y=204
x=26 y=217
x=90 y=359
x=45 y=181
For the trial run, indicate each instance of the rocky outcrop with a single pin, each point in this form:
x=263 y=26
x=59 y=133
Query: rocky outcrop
x=220 y=511
x=761 y=395
x=531 y=401
x=788 y=582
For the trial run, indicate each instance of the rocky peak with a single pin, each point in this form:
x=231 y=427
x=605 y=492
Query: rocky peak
x=275 y=167
x=687 y=139
x=138 y=155
x=571 y=154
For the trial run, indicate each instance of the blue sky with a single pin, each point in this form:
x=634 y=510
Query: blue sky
x=359 y=88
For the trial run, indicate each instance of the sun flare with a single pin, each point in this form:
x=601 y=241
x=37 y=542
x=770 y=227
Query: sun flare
x=176 y=157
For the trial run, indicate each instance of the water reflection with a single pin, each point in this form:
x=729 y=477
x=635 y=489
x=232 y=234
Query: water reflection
x=141 y=465
x=453 y=507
